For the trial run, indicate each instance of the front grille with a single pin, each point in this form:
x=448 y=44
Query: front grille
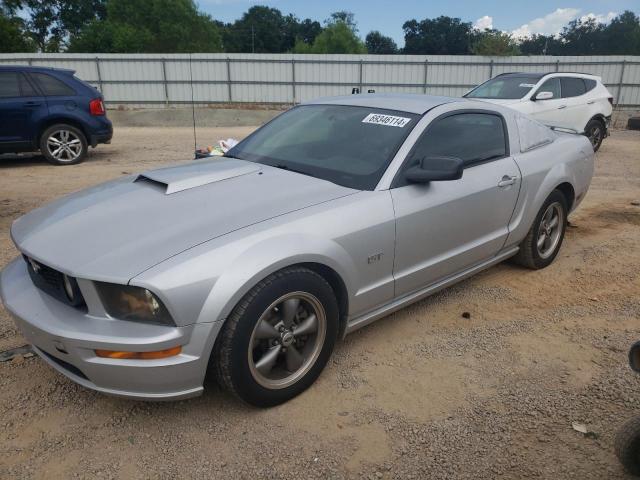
x=52 y=282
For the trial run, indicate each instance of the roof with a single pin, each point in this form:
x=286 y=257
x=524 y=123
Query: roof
x=412 y=103
x=539 y=75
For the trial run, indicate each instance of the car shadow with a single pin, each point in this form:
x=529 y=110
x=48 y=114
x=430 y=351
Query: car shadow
x=35 y=159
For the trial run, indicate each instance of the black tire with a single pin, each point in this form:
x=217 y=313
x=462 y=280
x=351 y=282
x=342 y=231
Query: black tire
x=633 y=123
x=66 y=156
x=529 y=254
x=595 y=132
x=627 y=446
x=230 y=358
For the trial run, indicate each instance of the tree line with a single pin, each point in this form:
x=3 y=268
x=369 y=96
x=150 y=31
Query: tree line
x=178 y=26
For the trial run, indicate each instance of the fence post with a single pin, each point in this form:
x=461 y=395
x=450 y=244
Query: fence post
x=229 y=79
x=99 y=75
x=491 y=69
x=164 y=82
x=360 y=80
x=557 y=65
x=426 y=72
x=620 y=83
x=293 y=79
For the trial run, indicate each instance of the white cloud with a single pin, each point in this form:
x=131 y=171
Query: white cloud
x=550 y=24
x=599 y=17
x=484 y=23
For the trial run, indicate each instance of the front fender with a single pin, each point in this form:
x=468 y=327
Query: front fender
x=266 y=257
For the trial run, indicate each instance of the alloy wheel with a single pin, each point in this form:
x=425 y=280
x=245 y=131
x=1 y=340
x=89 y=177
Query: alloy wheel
x=64 y=146
x=550 y=230
x=287 y=340
x=595 y=135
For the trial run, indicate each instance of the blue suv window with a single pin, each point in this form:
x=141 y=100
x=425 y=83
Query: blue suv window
x=9 y=85
x=51 y=86
x=14 y=84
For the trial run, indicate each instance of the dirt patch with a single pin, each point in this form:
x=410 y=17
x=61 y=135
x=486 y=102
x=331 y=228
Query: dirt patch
x=424 y=393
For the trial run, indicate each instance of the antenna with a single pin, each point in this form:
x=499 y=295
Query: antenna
x=193 y=109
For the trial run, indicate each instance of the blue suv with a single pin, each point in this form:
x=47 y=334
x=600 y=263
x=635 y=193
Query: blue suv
x=51 y=110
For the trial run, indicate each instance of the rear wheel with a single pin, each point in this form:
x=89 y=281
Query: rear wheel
x=279 y=338
x=542 y=243
x=595 y=131
x=63 y=144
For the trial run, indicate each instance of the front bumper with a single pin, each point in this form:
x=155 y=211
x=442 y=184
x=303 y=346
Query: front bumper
x=66 y=339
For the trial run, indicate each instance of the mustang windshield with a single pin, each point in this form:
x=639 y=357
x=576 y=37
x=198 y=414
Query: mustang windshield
x=348 y=145
x=504 y=88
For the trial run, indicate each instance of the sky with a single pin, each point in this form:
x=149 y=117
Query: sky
x=521 y=18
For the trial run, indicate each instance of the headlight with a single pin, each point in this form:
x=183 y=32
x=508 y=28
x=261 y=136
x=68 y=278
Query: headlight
x=133 y=303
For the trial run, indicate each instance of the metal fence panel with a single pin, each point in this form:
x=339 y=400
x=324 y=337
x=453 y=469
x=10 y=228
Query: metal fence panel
x=160 y=80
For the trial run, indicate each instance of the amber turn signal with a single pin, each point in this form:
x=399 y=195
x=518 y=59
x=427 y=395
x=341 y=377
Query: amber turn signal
x=169 y=352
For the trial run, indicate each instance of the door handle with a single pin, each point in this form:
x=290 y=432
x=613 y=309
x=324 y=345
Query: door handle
x=506 y=181
x=591 y=102
x=561 y=107
x=32 y=104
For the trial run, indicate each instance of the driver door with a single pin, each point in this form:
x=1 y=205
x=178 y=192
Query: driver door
x=549 y=112
x=445 y=227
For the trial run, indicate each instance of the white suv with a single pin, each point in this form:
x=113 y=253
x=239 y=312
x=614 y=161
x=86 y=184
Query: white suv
x=569 y=100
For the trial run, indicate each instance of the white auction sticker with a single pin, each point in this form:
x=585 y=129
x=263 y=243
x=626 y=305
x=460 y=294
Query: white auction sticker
x=527 y=85
x=387 y=120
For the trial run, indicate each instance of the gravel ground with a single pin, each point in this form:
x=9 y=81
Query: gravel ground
x=422 y=394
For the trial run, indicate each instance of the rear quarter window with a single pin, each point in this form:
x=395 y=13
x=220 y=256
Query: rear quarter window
x=589 y=84
x=51 y=86
x=572 y=87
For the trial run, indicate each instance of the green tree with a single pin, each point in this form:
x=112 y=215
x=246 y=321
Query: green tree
x=540 y=45
x=150 y=26
x=335 y=38
x=379 y=44
x=343 y=16
x=437 y=36
x=494 y=42
x=622 y=35
x=50 y=23
x=583 y=37
x=13 y=35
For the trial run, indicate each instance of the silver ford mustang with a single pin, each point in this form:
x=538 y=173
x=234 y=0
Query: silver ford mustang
x=248 y=268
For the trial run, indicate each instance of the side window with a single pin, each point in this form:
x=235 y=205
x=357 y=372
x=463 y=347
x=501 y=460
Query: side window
x=26 y=88
x=552 y=85
x=51 y=86
x=572 y=87
x=9 y=86
x=589 y=84
x=472 y=137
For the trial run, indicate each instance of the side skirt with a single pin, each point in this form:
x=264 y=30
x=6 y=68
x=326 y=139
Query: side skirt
x=354 y=324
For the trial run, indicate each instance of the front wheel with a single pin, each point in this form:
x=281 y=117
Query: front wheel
x=627 y=446
x=542 y=243
x=595 y=131
x=279 y=338
x=63 y=144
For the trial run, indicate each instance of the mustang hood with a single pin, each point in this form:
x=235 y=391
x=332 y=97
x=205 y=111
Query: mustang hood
x=116 y=230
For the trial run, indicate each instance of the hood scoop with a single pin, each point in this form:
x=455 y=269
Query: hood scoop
x=196 y=174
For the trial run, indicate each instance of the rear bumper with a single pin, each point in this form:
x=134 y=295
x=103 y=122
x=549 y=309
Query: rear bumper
x=102 y=136
x=66 y=338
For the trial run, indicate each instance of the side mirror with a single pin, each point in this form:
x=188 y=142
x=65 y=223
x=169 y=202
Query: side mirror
x=634 y=357
x=435 y=169
x=543 y=96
